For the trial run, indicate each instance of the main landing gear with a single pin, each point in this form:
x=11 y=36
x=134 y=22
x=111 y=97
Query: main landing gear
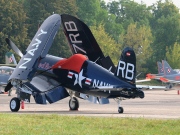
x=14 y=104
x=73 y=103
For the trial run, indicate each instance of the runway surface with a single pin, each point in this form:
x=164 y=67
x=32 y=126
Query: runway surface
x=156 y=104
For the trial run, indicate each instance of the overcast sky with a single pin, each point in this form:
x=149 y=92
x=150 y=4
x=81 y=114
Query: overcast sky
x=150 y=2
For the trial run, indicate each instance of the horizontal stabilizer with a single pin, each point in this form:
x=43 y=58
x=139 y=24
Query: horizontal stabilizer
x=153 y=76
x=164 y=79
x=152 y=87
x=150 y=76
x=144 y=80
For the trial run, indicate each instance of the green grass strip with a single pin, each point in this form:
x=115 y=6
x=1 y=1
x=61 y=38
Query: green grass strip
x=37 y=124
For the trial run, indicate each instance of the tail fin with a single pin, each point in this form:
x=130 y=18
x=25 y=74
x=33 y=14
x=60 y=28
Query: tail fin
x=160 y=68
x=10 y=59
x=81 y=40
x=126 y=68
x=167 y=69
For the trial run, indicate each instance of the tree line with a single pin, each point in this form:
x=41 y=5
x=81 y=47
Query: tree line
x=152 y=31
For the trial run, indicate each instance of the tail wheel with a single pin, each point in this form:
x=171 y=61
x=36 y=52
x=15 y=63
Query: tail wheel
x=14 y=104
x=120 y=110
x=73 y=104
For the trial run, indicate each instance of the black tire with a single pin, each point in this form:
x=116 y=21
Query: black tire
x=120 y=110
x=14 y=104
x=73 y=104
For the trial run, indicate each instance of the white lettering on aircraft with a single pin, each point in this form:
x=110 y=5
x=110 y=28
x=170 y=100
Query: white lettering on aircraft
x=26 y=61
x=79 y=78
x=129 y=69
x=32 y=51
x=78 y=48
x=71 y=27
x=97 y=83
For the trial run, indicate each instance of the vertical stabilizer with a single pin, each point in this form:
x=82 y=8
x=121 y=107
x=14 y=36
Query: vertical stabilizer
x=160 y=68
x=10 y=59
x=167 y=68
x=126 y=68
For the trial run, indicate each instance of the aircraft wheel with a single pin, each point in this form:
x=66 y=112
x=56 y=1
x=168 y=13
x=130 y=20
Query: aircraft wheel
x=73 y=104
x=14 y=104
x=120 y=110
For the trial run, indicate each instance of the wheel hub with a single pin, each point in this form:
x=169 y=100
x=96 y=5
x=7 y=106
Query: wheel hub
x=13 y=104
x=72 y=103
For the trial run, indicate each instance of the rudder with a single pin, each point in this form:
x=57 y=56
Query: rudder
x=167 y=68
x=160 y=68
x=126 y=68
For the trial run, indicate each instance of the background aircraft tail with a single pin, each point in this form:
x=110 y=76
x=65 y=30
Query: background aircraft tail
x=167 y=68
x=160 y=72
x=10 y=59
x=160 y=68
x=126 y=68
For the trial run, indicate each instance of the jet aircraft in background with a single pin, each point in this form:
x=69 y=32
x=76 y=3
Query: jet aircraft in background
x=10 y=60
x=166 y=74
x=170 y=77
x=160 y=72
x=6 y=70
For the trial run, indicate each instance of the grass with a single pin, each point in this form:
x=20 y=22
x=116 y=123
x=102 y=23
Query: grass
x=36 y=124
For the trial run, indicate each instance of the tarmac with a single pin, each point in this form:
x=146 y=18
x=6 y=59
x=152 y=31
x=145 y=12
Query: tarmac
x=156 y=104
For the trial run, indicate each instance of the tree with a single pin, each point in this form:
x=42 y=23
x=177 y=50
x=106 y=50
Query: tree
x=39 y=10
x=165 y=26
x=173 y=55
x=128 y=11
x=106 y=43
x=140 y=40
x=88 y=11
x=95 y=12
x=12 y=18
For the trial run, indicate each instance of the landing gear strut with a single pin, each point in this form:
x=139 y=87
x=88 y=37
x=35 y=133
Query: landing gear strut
x=120 y=109
x=14 y=104
x=73 y=103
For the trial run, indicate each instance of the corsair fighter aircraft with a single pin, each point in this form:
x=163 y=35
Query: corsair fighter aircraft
x=49 y=78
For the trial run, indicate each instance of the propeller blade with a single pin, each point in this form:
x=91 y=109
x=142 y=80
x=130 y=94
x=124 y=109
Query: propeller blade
x=8 y=87
x=14 y=47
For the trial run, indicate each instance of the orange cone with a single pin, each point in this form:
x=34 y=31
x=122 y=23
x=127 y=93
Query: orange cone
x=178 y=92
x=22 y=104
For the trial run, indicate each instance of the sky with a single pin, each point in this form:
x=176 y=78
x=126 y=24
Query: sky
x=150 y=2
